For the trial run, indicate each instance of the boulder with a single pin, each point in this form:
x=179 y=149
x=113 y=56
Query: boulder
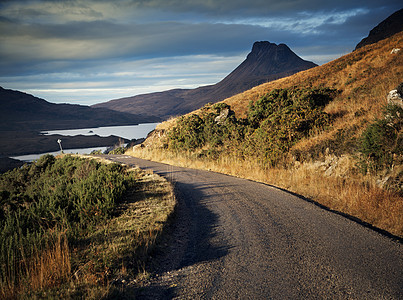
x=222 y=116
x=395 y=98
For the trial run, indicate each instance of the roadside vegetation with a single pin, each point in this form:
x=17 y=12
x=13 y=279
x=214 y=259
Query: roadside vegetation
x=273 y=125
x=77 y=228
x=327 y=133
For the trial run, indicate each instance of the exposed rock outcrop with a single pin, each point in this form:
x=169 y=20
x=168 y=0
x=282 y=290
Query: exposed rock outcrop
x=395 y=97
x=222 y=116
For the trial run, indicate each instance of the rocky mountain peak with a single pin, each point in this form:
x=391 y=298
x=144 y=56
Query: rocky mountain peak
x=265 y=49
x=260 y=48
x=267 y=60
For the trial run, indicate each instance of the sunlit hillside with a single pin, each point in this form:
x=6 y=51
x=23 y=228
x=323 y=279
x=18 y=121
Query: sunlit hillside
x=364 y=78
x=323 y=155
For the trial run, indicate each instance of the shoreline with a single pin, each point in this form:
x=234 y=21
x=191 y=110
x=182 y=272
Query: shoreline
x=16 y=143
x=19 y=143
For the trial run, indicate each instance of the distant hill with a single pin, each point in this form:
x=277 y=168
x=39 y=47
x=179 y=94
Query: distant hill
x=388 y=27
x=21 y=111
x=266 y=62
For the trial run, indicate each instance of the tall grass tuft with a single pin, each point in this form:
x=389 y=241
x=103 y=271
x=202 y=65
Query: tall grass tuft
x=27 y=267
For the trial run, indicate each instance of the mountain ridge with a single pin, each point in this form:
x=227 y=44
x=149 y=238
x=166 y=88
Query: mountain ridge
x=23 y=116
x=266 y=62
x=388 y=27
x=23 y=111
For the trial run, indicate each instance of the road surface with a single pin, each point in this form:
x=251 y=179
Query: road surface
x=238 y=239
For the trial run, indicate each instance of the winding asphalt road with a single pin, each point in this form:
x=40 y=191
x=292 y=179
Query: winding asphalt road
x=237 y=239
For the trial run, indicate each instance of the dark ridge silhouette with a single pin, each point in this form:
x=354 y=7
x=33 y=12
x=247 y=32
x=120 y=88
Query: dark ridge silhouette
x=388 y=27
x=21 y=111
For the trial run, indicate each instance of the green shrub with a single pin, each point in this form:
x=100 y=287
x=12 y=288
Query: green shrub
x=118 y=150
x=51 y=196
x=273 y=124
x=188 y=134
x=282 y=117
x=382 y=140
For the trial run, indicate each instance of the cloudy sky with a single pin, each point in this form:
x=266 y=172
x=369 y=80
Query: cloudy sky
x=85 y=52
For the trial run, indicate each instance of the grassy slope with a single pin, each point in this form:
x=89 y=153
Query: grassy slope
x=373 y=70
x=364 y=78
x=326 y=171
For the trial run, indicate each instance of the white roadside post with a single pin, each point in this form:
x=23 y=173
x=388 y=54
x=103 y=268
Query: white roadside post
x=60 y=144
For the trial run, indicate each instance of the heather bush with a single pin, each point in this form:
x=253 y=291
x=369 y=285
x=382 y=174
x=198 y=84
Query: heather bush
x=50 y=201
x=382 y=140
x=273 y=125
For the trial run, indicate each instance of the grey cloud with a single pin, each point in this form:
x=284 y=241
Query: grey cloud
x=242 y=8
x=75 y=42
x=222 y=9
x=50 y=11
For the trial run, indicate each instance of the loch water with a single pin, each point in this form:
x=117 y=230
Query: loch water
x=127 y=132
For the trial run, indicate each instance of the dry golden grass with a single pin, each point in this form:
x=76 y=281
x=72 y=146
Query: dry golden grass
x=363 y=78
x=341 y=189
x=52 y=266
x=44 y=270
